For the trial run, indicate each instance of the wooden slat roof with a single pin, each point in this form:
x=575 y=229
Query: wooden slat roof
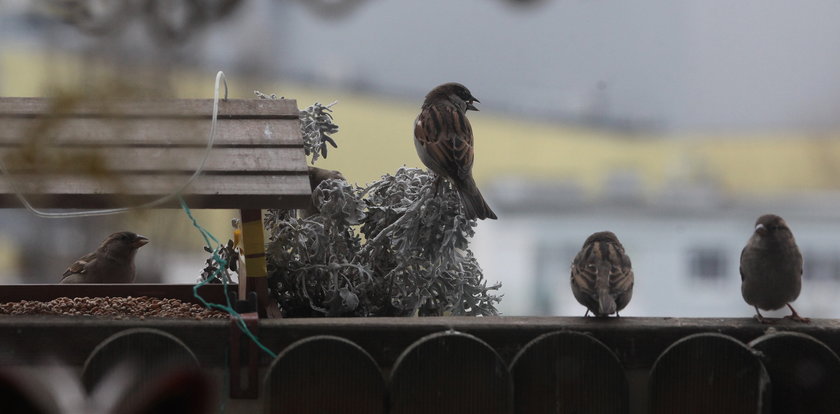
x=125 y=153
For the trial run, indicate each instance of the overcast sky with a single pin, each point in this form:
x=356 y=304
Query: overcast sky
x=716 y=66
x=710 y=65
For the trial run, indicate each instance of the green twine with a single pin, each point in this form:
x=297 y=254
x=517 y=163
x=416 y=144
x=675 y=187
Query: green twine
x=222 y=264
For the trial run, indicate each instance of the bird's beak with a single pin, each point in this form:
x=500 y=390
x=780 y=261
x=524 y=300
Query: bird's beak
x=470 y=106
x=140 y=241
x=760 y=229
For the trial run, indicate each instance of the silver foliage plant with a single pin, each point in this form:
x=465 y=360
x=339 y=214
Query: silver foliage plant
x=313 y=262
x=418 y=242
x=316 y=126
x=414 y=258
x=398 y=247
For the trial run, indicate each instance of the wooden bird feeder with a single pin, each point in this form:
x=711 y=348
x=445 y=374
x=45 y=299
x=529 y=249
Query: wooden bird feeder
x=127 y=153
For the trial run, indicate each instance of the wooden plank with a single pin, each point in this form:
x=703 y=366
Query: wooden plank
x=636 y=341
x=207 y=191
x=148 y=132
x=709 y=373
x=158 y=160
x=253 y=248
x=568 y=372
x=195 y=201
x=144 y=352
x=212 y=292
x=72 y=339
x=154 y=108
x=805 y=373
x=450 y=372
x=324 y=374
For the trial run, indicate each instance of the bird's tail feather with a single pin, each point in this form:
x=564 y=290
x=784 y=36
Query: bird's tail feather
x=474 y=205
x=606 y=303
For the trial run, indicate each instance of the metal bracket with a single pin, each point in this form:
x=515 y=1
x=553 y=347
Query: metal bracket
x=242 y=349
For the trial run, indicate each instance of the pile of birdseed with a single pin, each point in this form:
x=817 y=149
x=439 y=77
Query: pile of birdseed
x=113 y=307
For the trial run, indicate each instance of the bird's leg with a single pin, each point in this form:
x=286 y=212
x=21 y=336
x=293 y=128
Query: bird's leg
x=795 y=316
x=617 y=315
x=760 y=318
x=587 y=313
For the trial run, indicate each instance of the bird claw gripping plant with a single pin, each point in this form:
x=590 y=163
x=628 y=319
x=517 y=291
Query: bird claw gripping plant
x=414 y=258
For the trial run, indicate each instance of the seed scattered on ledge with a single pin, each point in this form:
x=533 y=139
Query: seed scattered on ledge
x=114 y=307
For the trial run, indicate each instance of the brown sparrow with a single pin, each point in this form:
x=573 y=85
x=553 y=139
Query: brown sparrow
x=444 y=141
x=316 y=177
x=771 y=268
x=602 y=277
x=112 y=262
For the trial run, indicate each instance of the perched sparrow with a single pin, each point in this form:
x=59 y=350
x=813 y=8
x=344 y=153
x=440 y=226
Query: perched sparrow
x=316 y=176
x=444 y=141
x=771 y=268
x=112 y=262
x=602 y=277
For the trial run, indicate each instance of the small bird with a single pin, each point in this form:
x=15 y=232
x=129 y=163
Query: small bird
x=112 y=262
x=443 y=138
x=602 y=276
x=771 y=268
x=318 y=175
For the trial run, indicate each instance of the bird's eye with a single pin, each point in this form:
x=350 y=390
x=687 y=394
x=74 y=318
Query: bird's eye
x=591 y=265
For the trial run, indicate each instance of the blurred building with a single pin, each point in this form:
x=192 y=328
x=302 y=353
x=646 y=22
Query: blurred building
x=685 y=247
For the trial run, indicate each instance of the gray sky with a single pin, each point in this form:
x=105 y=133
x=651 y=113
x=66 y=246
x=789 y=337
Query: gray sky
x=715 y=65
x=711 y=65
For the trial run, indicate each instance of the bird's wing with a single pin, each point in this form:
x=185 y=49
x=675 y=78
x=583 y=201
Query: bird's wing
x=447 y=135
x=583 y=277
x=622 y=280
x=79 y=266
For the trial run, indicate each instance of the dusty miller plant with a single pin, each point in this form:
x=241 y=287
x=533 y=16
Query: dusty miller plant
x=418 y=245
x=414 y=258
x=220 y=271
x=316 y=126
x=313 y=262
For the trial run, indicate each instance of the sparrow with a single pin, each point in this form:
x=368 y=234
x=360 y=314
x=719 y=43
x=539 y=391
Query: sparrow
x=316 y=177
x=602 y=276
x=771 y=268
x=444 y=141
x=112 y=262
